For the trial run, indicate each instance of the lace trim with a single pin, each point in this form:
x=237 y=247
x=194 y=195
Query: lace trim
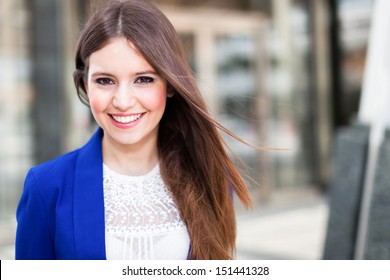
x=172 y=245
x=137 y=205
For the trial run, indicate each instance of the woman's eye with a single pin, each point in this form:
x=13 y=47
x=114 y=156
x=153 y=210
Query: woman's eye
x=144 y=80
x=104 y=81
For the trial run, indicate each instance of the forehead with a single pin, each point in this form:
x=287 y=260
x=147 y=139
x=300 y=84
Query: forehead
x=116 y=45
x=118 y=53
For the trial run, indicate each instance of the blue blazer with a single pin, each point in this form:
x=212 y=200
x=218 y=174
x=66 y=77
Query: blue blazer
x=61 y=211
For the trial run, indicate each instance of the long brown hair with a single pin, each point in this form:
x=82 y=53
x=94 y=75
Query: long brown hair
x=194 y=162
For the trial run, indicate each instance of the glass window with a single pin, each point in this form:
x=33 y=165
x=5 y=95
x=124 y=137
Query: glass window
x=237 y=93
x=355 y=21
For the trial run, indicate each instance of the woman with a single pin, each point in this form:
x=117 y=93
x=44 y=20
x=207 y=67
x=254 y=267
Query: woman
x=155 y=181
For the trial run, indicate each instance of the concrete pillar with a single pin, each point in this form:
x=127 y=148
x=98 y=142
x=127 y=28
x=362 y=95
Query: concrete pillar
x=374 y=110
x=322 y=99
x=49 y=106
x=377 y=243
x=349 y=163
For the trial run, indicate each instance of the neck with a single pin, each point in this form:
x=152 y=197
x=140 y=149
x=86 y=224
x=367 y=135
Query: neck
x=132 y=160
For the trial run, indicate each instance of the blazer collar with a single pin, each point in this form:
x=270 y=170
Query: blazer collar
x=89 y=222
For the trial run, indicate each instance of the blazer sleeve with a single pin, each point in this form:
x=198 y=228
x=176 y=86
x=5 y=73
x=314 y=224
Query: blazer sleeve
x=34 y=240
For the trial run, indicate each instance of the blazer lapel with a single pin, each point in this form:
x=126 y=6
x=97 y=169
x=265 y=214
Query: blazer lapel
x=89 y=226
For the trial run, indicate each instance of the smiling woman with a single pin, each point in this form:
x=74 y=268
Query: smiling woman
x=127 y=100
x=155 y=181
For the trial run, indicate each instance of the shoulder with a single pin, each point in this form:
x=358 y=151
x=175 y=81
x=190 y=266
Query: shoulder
x=61 y=171
x=52 y=175
x=62 y=165
x=57 y=166
x=43 y=186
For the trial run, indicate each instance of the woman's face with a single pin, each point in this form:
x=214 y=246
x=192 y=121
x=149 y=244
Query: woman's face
x=126 y=95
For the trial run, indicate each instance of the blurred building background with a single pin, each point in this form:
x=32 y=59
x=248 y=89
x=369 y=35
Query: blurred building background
x=280 y=74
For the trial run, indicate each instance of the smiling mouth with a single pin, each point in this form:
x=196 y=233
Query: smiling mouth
x=126 y=119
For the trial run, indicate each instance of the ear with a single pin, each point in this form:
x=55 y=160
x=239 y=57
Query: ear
x=85 y=83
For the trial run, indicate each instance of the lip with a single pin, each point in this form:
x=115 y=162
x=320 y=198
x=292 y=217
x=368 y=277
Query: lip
x=126 y=125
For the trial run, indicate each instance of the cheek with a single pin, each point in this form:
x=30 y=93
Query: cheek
x=97 y=102
x=156 y=101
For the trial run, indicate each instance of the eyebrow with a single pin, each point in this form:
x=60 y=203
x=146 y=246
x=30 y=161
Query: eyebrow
x=146 y=72
x=135 y=74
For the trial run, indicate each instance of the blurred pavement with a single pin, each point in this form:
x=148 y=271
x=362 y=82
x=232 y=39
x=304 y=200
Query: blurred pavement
x=7 y=238
x=293 y=229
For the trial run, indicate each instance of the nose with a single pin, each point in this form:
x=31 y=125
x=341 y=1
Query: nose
x=124 y=98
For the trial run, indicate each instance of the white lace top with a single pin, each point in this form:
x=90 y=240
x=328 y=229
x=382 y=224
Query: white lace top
x=142 y=220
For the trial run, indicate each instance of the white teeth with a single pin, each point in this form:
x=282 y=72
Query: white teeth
x=126 y=119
